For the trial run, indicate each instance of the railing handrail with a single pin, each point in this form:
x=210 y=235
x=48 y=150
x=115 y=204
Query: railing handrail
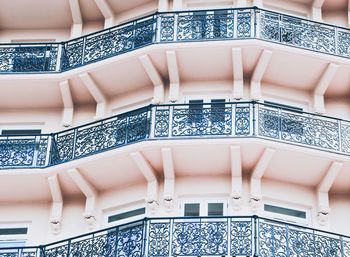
x=182 y=218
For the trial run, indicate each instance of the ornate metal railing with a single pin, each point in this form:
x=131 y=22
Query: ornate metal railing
x=196 y=236
x=225 y=24
x=216 y=120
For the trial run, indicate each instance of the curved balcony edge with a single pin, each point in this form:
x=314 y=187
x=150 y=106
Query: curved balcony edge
x=170 y=27
x=177 y=121
x=196 y=236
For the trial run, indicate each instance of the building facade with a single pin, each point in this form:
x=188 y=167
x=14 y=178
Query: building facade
x=174 y=128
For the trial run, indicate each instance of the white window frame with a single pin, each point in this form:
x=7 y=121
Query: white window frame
x=206 y=4
x=203 y=205
x=121 y=210
x=288 y=218
x=20 y=238
x=206 y=99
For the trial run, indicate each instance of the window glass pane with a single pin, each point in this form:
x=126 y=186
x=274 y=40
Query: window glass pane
x=195 y=111
x=191 y=209
x=285 y=211
x=215 y=209
x=126 y=215
x=13 y=231
x=218 y=110
x=284 y=106
x=20 y=131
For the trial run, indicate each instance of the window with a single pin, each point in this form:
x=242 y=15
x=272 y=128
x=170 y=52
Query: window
x=13 y=132
x=126 y=215
x=217 y=110
x=284 y=106
x=13 y=236
x=198 y=208
x=195 y=111
x=191 y=209
x=199 y=26
x=215 y=209
x=287 y=213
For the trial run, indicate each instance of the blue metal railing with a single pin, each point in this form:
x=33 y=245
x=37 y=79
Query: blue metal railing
x=196 y=236
x=177 y=121
x=186 y=26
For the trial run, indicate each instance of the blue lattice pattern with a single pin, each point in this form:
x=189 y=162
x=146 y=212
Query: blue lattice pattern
x=196 y=236
x=222 y=120
x=225 y=24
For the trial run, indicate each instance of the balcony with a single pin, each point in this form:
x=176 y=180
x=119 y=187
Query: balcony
x=197 y=236
x=228 y=24
x=177 y=121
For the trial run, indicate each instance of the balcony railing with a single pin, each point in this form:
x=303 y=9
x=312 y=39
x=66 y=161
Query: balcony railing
x=225 y=24
x=216 y=120
x=196 y=236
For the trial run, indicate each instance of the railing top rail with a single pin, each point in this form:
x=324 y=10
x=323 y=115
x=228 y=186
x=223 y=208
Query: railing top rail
x=19 y=44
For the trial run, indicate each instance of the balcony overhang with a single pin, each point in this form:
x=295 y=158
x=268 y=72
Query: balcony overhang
x=309 y=143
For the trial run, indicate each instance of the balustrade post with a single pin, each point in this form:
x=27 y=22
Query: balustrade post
x=339 y=122
x=257 y=23
x=83 y=52
x=116 y=241
x=42 y=251
x=69 y=247
x=341 y=240
x=74 y=143
x=144 y=251
x=59 y=61
x=256 y=236
x=255 y=119
x=158 y=28
x=171 y=221
x=176 y=18
x=152 y=110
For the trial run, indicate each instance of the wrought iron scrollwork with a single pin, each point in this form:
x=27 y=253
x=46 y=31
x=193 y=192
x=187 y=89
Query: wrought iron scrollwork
x=162 y=122
x=28 y=58
x=241 y=237
x=298 y=32
x=344 y=43
x=72 y=54
x=310 y=131
x=17 y=151
x=101 y=137
x=130 y=242
x=205 y=25
x=244 y=23
x=272 y=240
x=200 y=238
x=202 y=121
x=242 y=119
x=167 y=26
x=196 y=236
x=159 y=239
